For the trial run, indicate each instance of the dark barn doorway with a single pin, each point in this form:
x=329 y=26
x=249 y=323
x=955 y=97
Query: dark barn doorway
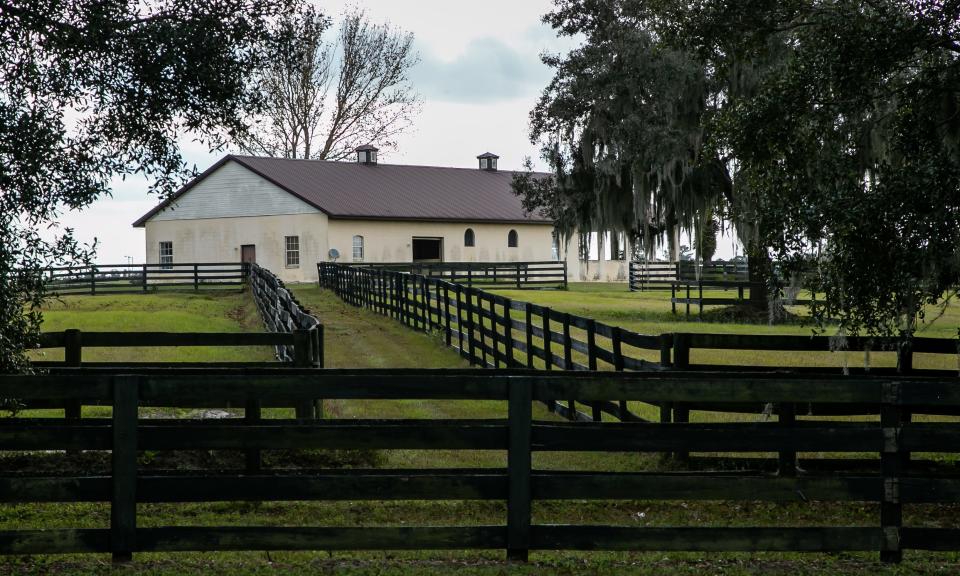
x=428 y=249
x=248 y=253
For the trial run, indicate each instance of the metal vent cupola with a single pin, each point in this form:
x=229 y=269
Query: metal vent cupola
x=488 y=161
x=367 y=154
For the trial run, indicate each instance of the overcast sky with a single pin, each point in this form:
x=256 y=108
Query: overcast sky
x=479 y=76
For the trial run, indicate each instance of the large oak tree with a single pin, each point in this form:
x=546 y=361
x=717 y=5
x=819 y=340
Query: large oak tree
x=91 y=90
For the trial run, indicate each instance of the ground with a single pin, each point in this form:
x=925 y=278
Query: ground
x=357 y=338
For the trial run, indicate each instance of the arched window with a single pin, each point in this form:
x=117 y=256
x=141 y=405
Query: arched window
x=512 y=239
x=468 y=238
x=358 y=248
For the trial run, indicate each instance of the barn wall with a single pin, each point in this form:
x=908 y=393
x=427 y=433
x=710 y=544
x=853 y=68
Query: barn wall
x=219 y=240
x=386 y=241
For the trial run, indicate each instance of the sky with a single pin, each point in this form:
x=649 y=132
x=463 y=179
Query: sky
x=479 y=76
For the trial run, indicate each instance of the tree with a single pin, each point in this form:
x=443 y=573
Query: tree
x=325 y=98
x=835 y=124
x=91 y=90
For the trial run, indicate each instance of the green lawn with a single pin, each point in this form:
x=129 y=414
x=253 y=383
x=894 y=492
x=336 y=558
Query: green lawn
x=223 y=311
x=358 y=338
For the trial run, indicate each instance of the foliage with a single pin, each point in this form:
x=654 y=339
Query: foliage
x=324 y=98
x=828 y=131
x=95 y=90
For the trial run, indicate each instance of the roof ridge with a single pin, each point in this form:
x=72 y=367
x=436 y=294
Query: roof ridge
x=345 y=162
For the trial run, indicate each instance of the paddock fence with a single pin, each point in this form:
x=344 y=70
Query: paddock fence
x=145 y=278
x=492 y=331
x=660 y=275
x=281 y=312
x=890 y=440
x=519 y=275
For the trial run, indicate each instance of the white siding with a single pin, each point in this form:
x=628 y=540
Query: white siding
x=231 y=192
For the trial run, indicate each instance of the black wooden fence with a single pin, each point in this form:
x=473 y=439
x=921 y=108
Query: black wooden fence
x=660 y=275
x=281 y=312
x=890 y=439
x=519 y=275
x=493 y=331
x=134 y=278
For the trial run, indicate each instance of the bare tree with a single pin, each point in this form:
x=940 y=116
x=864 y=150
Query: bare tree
x=325 y=97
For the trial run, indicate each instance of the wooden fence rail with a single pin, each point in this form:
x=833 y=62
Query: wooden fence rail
x=140 y=278
x=520 y=484
x=519 y=275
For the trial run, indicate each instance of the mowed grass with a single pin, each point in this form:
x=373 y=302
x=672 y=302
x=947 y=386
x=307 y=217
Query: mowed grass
x=222 y=311
x=358 y=338
x=649 y=312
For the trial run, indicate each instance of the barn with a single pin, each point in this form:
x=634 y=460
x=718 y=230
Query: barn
x=287 y=215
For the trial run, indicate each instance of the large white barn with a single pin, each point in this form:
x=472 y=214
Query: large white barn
x=288 y=215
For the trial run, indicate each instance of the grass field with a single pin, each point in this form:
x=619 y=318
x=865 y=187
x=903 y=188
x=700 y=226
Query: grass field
x=357 y=338
x=182 y=312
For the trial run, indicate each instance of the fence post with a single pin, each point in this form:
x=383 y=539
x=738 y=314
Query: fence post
x=617 y=345
x=519 y=495
x=495 y=334
x=93 y=280
x=547 y=353
x=891 y=512
x=681 y=361
x=302 y=358
x=787 y=417
x=446 y=313
x=565 y=286
x=471 y=339
x=73 y=357
x=528 y=322
x=144 y=279
x=123 y=503
x=592 y=361
x=251 y=416
x=196 y=277
x=568 y=362
x=508 y=334
x=518 y=276
x=666 y=344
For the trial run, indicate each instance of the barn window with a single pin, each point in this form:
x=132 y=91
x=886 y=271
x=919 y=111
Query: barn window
x=166 y=255
x=512 y=239
x=358 y=248
x=468 y=238
x=555 y=246
x=293 y=251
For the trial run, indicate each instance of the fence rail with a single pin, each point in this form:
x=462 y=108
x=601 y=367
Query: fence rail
x=519 y=275
x=135 y=278
x=890 y=439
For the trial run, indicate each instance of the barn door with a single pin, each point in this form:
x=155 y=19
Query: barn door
x=248 y=253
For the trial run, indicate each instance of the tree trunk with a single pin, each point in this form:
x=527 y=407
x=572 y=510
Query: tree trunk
x=759 y=269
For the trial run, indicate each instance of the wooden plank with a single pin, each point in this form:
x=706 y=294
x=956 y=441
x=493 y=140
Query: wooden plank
x=687 y=437
x=62 y=541
x=456 y=484
x=183 y=539
x=777 y=539
x=331 y=434
x=703 y=486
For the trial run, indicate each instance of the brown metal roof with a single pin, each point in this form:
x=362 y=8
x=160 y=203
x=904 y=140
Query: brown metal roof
x=351 y=190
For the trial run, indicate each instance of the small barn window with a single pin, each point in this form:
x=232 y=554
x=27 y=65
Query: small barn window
x=293 y=251
x=166 y=255
x=468 y=238
x=358 y=248
x=512 y=240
